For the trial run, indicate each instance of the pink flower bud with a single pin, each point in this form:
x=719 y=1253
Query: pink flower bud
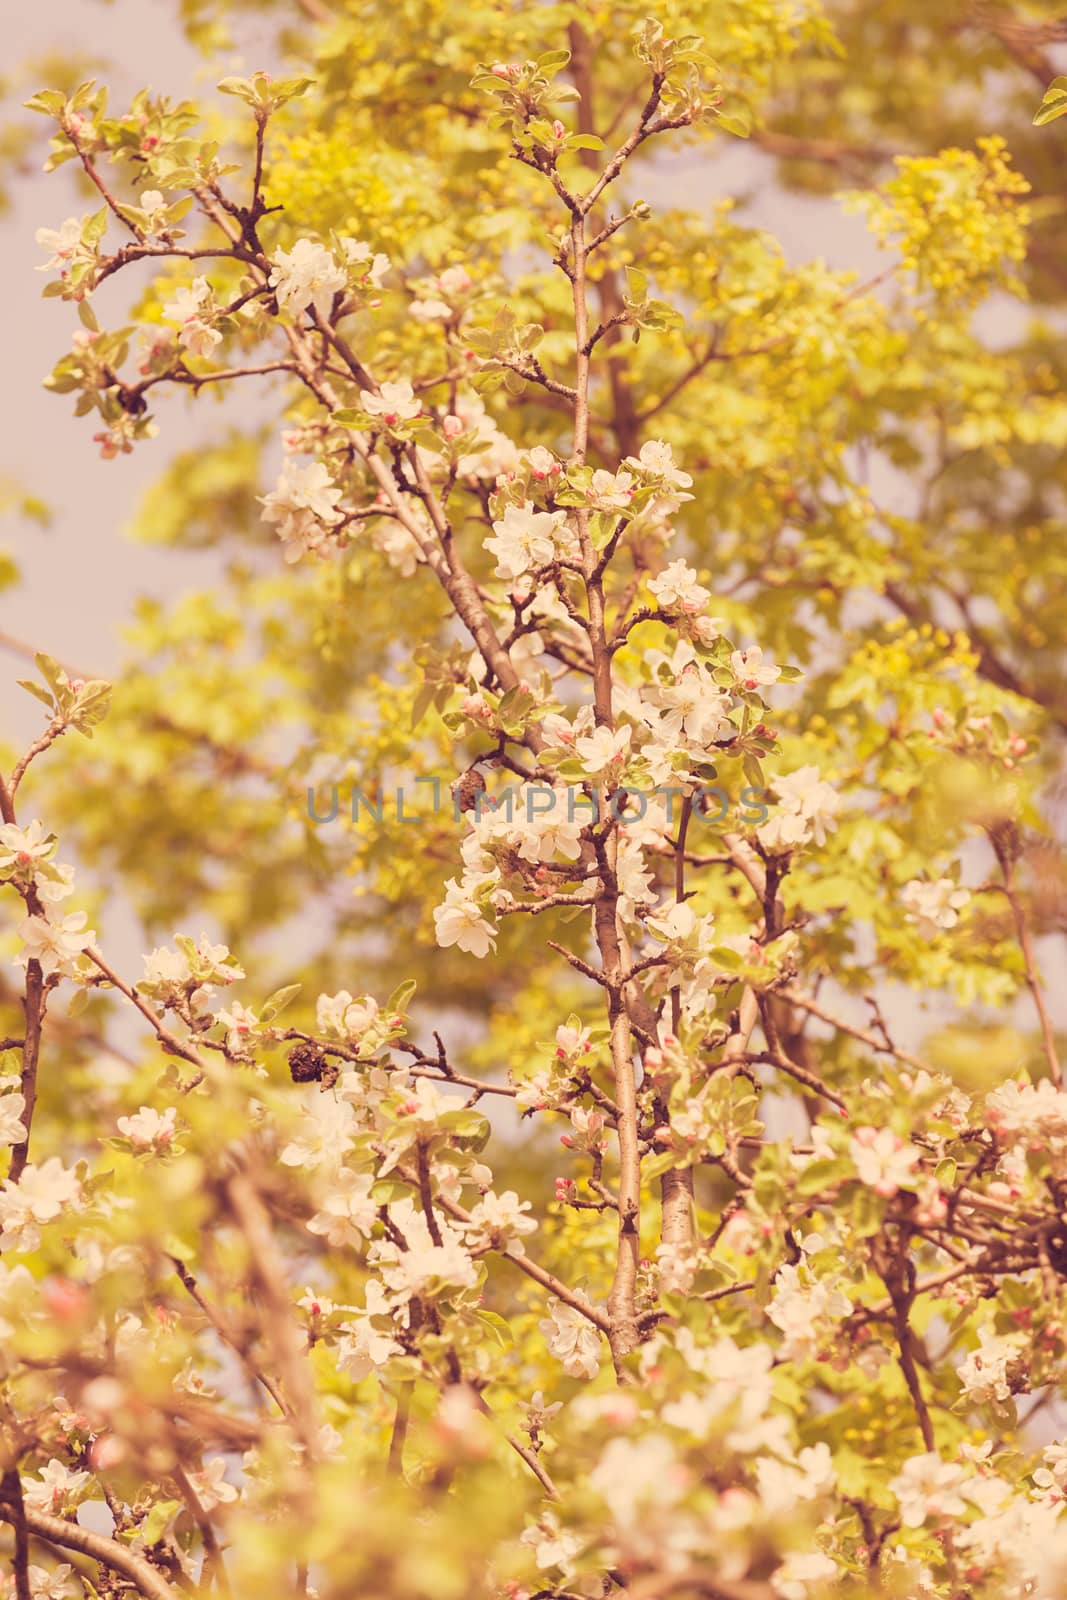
x=558 y=129
x=66 y=1301
x=452 y=427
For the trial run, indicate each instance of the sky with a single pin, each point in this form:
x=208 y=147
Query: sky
x=81 y=575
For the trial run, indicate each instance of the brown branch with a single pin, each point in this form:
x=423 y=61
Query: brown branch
x=72 y=1536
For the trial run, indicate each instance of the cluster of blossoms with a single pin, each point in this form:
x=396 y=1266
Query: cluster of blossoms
x=26 y=862
x=308 y=276
x=196 y=310
x=443 y=297
x=806 y=810
x=190 y=974
x=934 y=906
x=304 y=506
x=412 y=1257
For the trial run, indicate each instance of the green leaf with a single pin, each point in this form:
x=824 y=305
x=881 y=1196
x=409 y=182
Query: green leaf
x=739 y=125
x=279 y=1000
x=241 y=87
x=37 y=692
x=823 y=1174
x=49 y=102
x=400 y=998
x=1054 y=104
x=155 y=1525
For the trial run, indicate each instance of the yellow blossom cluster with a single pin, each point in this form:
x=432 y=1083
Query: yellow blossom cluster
x=957 y=219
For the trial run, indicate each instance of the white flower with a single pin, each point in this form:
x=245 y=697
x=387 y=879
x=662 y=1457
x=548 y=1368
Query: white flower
x=430 y=310
x=805 y=1308
x=64 y=243
x=925 y=1487
x=498 y=1220
x=188 y=302
x=676 y=588
x=611 y=491
x=198 y=338
x=526 y=539
x=148 y=1129
x=56 y=945
x=884 y=1162
x=54 y=882
x=987 y=1373
x=210 y=1486
x=572 y=1339
x=39 y=1196
x=1021 y=1110
x=22 y=847
x=423 y=1268
x=55 y=1585
x=165 y=967
x=53 y=1488
x=239 y=1022
x=306 y=275
x=600 y=749
x=316 y=1305
x=571 y=1040
x=369 y=265
x=12 y=1127
x=634 y=1476
x=498 y=454
x=782 y=1485
x=325 y=1133
x=552 y=1545
x=657 y=459
x=344 y=1017
x=934 y=906
x=304 y=505
x=307 y=488
x=794 y=1577
x=396 y=402
x=153 y=203
x=188 y=307
x=751 y=669
x=689 y=707
x=454 y=281
x=365 y=1347
x=807 y=808
x=347 y=1213
x=459 y=921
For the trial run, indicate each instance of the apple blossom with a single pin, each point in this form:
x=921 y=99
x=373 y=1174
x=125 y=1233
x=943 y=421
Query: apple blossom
x=56 y=945
x=459 y=921
x=525 y=540
x=394 y=402
x=572 y=1339
x=934 y=906
x=306 y=276
x=346 y=1212
x=883 y=1160
x=148 y=1129
x=925 y=1487
x=54 y=1487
